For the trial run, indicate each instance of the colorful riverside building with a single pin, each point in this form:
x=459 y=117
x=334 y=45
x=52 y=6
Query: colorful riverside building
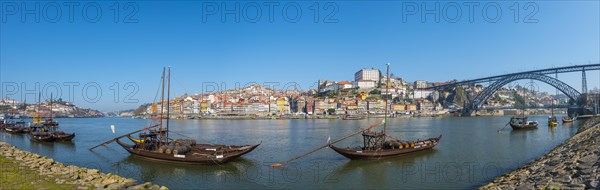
x=283 y=105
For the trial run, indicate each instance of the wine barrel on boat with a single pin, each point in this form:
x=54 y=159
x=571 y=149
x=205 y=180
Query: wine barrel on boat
x=181 y=149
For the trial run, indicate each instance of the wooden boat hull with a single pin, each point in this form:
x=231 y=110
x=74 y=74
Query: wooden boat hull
x=359 y=154
x=523 y=127
x=567 y=121
x=63 y=136
x=15 y=130
x=42 y=137
x=200 y=154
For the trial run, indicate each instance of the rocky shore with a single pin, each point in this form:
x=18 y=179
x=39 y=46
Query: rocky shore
x=24 y=170
x=572 y=165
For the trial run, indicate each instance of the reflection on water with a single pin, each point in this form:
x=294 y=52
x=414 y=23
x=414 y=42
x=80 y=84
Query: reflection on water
x=471 y=152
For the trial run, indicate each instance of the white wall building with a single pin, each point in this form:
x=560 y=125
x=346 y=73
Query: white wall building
x=418 y=94
x=344 y=85
x=367 y=74
x=420 y=84
x=364 y=84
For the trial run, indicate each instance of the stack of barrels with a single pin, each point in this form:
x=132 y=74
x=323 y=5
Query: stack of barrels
x=179 y=146
x=398 y=144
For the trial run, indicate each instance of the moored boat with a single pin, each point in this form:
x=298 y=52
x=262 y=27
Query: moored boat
x=12 y=126
x=51 y=127
x=552 y=121
x=518 y=123
x=40 y=133
x=394 y=148
x=62 y=136
x=352 y=117
x=567 y=119
x=157 y=145
x=48 y=130
x=377 y=145
x=191 y=153
x=17 y=128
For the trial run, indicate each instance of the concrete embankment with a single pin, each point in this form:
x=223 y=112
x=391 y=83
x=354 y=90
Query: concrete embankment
x=572 y=165
x=24 y=170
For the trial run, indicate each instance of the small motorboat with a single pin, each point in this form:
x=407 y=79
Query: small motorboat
x=352 y=117
x=567 y=119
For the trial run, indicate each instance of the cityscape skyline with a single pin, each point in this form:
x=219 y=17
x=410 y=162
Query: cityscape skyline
x=199 y=47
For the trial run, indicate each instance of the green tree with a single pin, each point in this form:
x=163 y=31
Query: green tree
x=375 y=91
x=332 y=94
x=330 y=111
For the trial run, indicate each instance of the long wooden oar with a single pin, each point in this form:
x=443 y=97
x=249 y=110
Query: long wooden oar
x=322 y=147
x=113 y=140
x=499 y=131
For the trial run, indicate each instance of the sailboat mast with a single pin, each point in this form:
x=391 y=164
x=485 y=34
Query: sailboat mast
x=14 y=110
x=25 y=107
x=51 y=106
x=39 y=104
x=168 y=103
x=162 y=99
x=387 y=92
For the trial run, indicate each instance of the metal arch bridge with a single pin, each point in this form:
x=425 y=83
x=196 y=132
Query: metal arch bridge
x=540 y=75
x=556 y=70
x=571 y=92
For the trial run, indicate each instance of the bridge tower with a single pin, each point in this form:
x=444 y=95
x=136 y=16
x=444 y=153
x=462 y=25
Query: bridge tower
x=584 y=89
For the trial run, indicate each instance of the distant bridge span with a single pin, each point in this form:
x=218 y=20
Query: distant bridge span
x=489 y=91
x=541 y=75
x=562 y=106
x=569 y=69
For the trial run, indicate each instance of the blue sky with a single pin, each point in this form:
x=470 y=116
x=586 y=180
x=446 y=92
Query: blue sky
x=190 y=37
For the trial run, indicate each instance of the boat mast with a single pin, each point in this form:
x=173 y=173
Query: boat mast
x=24 y=108
x=387 y=92
x=39 y=106
x=162 y=99
x=14 y=110
x=168 y=106
x=51 y=106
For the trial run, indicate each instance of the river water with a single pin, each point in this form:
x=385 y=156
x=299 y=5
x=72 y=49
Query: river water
x=471 y=152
